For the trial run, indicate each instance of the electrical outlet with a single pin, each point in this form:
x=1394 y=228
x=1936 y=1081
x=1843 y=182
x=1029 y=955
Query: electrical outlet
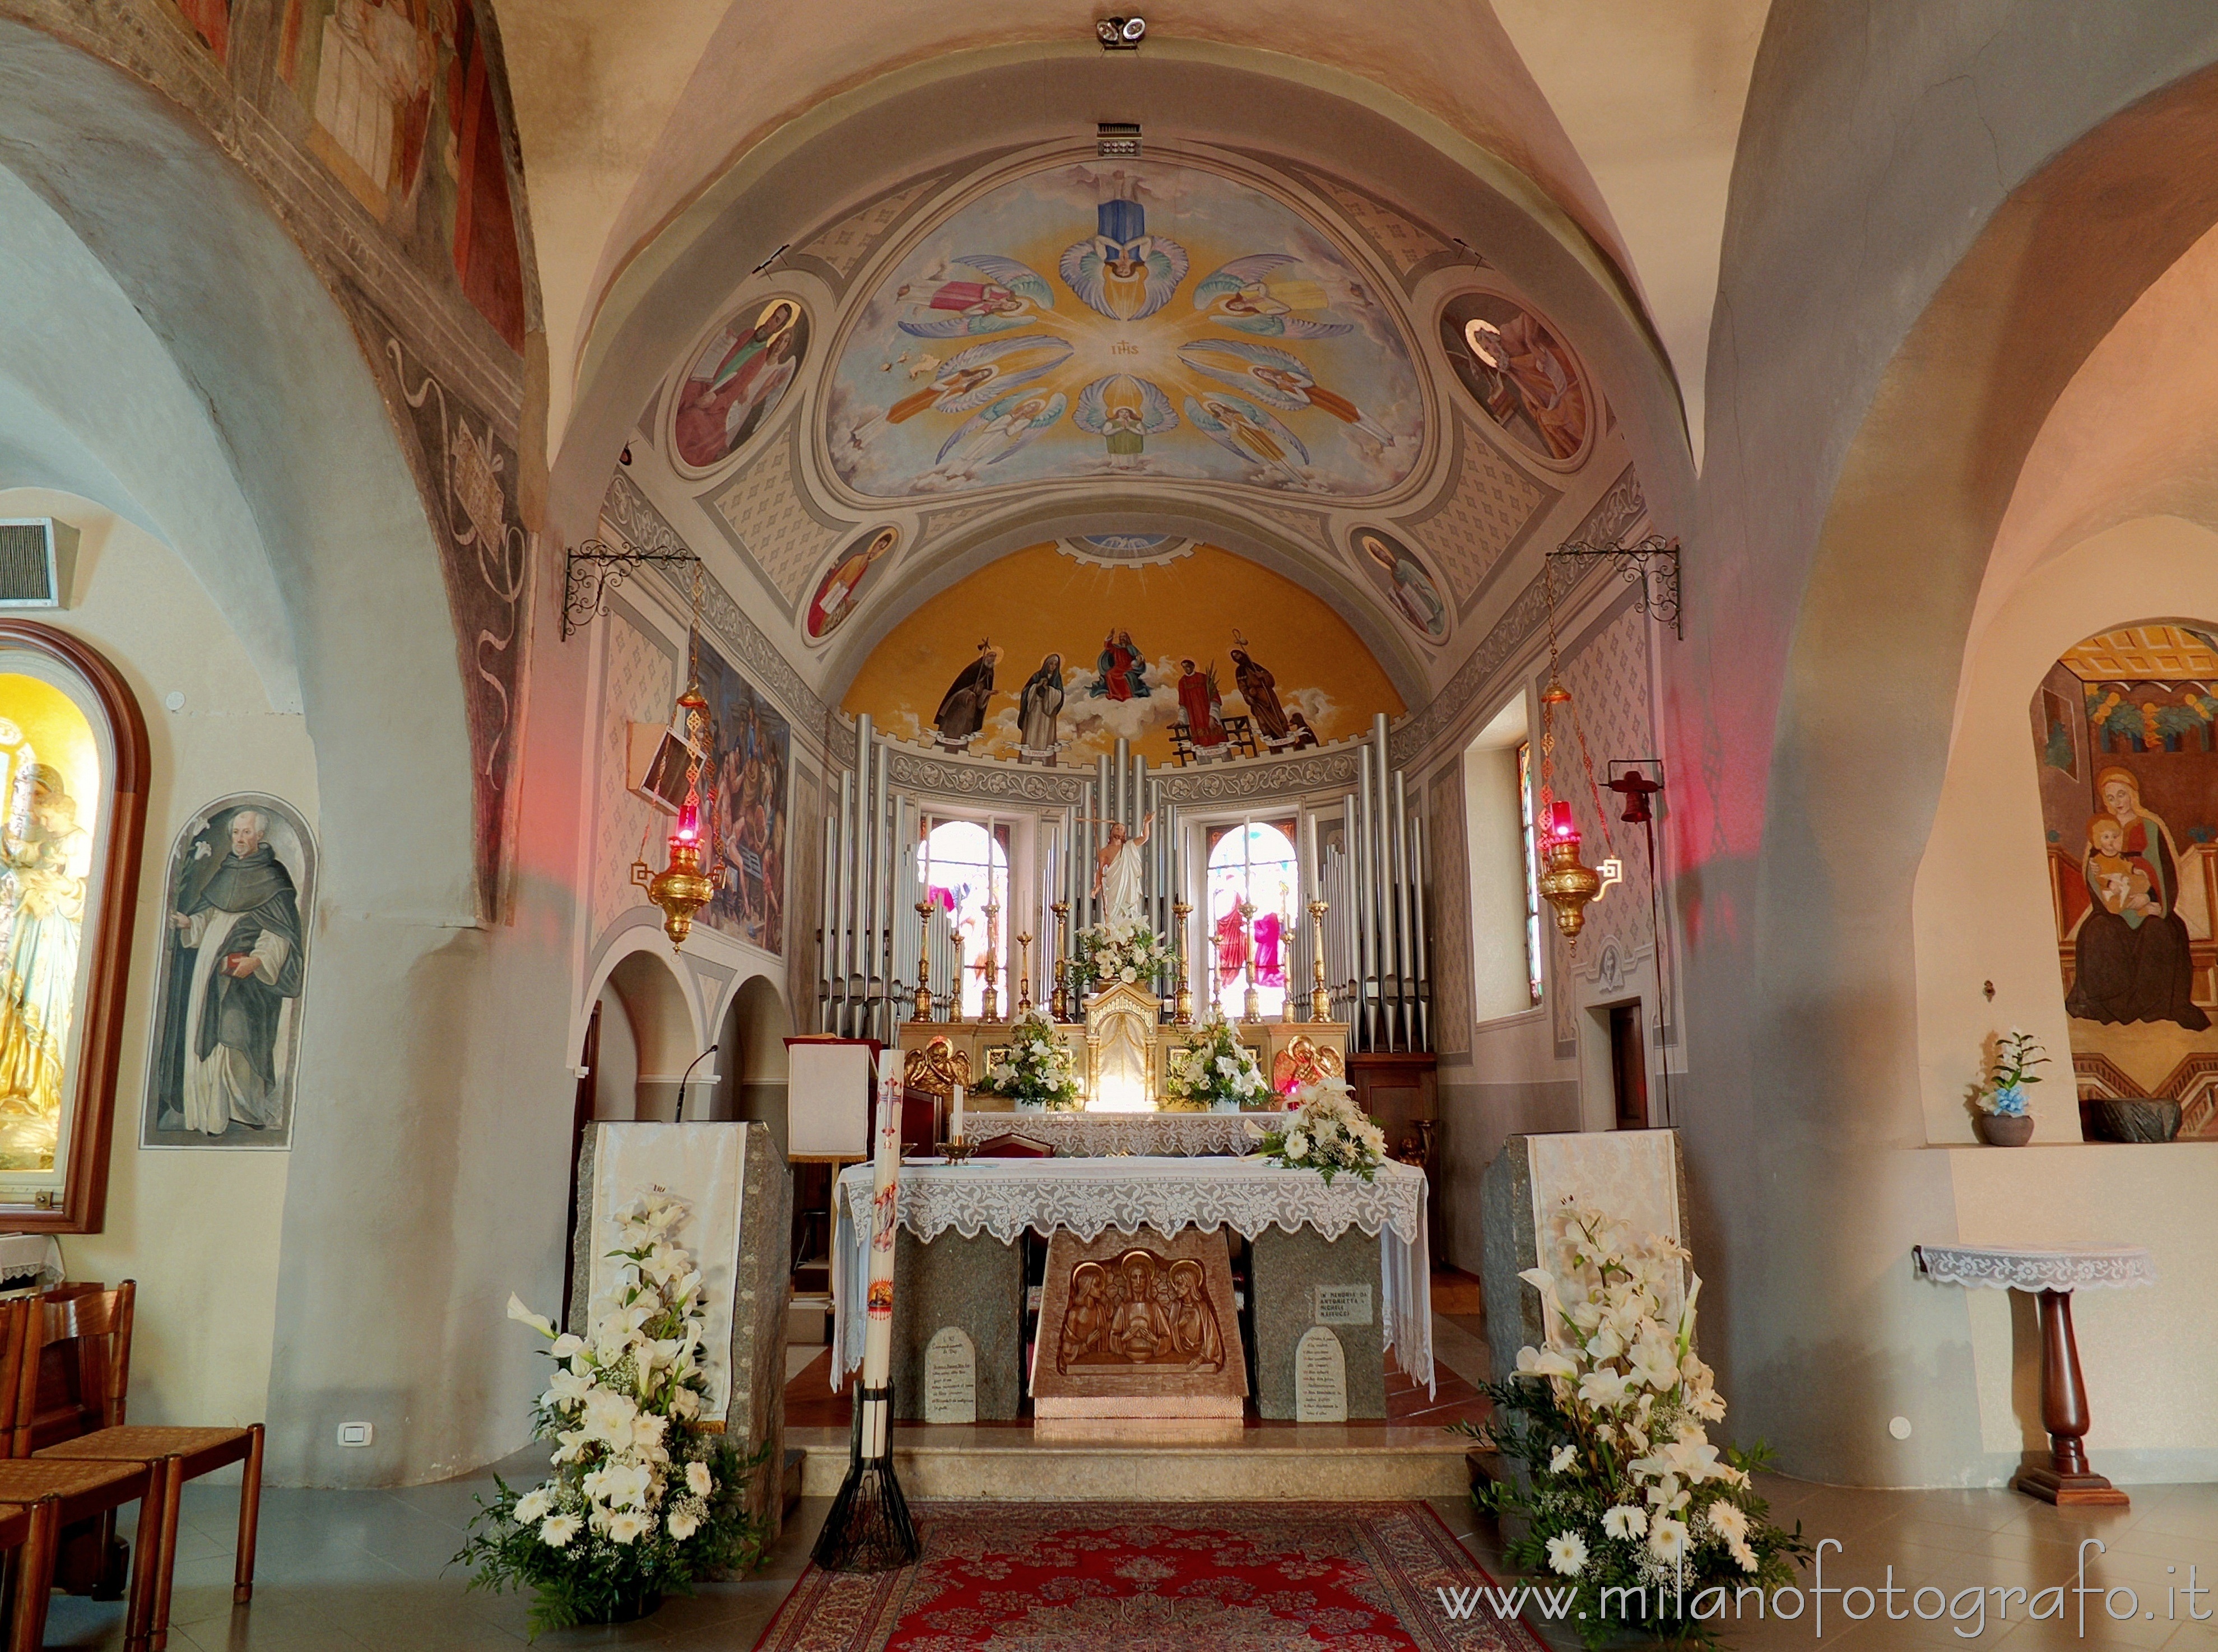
x=357 y=1433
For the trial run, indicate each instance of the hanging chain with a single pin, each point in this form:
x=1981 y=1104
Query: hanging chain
x=1554 y=694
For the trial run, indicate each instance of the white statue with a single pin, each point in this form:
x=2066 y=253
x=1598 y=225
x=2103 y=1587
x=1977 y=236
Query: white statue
x=1116 y=873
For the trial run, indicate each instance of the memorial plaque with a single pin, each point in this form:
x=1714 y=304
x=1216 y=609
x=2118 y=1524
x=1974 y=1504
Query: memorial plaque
x=1320 y=1378
x=951 y=1376
x=1344 y=1304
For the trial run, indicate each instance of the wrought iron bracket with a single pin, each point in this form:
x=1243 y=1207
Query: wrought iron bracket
x=1652 y=564
x=592 y=569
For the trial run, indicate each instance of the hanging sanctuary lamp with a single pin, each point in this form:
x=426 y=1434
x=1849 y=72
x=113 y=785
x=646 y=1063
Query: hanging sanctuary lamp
x=682 y=888
x=1567 y=883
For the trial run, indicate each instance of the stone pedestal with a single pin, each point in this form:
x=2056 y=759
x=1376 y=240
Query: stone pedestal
x=1302 y=1280
x=977 y=1285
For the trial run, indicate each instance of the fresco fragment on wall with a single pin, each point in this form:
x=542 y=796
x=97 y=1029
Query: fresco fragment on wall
x=1159 y=319
x=2125 y=733
x=744 y=793
x=735 y=382
x=1047 y=656
x=1520 y=371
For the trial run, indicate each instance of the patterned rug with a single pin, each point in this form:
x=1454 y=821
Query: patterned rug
x=1154 y=1577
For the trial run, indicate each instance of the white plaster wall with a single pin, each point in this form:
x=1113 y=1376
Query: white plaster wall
x=196 y=1227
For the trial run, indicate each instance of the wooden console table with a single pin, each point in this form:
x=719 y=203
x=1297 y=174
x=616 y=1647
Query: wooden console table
x=2054 y=1271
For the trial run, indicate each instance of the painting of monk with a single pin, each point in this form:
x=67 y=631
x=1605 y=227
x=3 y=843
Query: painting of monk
x=736 y=383
x=744 y=795
x=1522 y=374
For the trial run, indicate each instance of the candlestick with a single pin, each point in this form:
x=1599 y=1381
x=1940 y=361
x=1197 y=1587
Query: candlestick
x=989 y=1008
x=1320 y=999
x=1025 y=974
x=1184 y=1013
x=1252 y=1005
x=1215 y=1008
x=955 y=997
x=924 y=963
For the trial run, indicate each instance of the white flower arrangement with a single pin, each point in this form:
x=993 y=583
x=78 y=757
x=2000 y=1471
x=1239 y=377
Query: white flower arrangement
x=1131 y=953
x=1328 y=1132
x=1036 y=1069
x=1216 y=1070
x=1626 y=1492
x=644 y=1499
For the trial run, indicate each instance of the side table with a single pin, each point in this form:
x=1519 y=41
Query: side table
x=2055 y=1271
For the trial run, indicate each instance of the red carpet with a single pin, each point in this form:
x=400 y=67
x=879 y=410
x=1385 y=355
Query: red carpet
x=1155 y=1577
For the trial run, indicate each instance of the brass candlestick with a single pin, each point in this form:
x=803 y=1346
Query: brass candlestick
x=1251 y=1006
x=955 y=997
x=1061 y=1007
x=1025 y=974
x=1184 y=1013
x=924 y=963
x=990 y=1007
x=1320 y=999
x=1215 y=1007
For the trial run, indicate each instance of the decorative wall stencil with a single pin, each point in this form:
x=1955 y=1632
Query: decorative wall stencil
x=736 y=382
x=639 y=680
x=1401 y=575
x=1165 y=320
x=1450 y=906
x=1414 y=251
x=841 y=589
x=2125 y=742
x=838 y=250
x=1126 y=550
x=229 y=979
x=402 y=105
x=1523 y=375
x=766 y=510
x=1484 y=514
x=744 y=791
x=1125 y=645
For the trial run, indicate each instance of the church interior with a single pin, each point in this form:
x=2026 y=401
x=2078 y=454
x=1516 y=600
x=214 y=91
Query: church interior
x=700 y=944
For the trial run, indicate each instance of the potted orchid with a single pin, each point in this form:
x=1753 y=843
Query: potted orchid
x=645 y=1498
x=1215 y=1072
x=1622 y=1497
x=1130 y=953
x=2001 y=1100
x=1327 y=1132
x=1035 y=1068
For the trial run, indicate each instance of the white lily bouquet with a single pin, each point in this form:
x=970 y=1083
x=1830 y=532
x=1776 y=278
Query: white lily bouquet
x=1653 y=1528
x=1215 y=1071
x=1131 y=953
x=1328 y=1132
x=644 y=1499
x=1035 y=1068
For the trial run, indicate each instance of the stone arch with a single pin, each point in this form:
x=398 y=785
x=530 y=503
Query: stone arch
x=666 y=1031
x=751 y=1061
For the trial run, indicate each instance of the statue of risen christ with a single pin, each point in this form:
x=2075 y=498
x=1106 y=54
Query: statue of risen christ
x=1116 y=873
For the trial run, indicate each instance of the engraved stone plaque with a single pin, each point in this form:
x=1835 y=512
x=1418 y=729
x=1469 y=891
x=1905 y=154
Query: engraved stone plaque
x=951 y=1376
x=1320 y=1378
x=1344 y=1304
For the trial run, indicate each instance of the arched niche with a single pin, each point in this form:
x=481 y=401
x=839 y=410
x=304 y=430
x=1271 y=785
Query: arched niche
x=751 y=1057
x=659 y=1013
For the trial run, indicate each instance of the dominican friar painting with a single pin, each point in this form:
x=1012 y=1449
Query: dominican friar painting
x=2125 y=732
x=234 y=961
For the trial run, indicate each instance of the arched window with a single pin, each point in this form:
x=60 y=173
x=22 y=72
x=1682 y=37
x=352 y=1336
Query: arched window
x=1254 y=890
x=966 y=869
x=72 y=816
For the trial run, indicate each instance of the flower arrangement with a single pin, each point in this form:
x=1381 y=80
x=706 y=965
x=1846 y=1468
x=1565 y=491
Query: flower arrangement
x=1328 y=1133
x=1215 y=1070
x=644 y=1499
x=1626 y=1498
x=1131 y=952
x=2016 y=1054
x=1035 y=1068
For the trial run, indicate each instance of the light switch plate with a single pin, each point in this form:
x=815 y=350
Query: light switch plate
x=357 y=1433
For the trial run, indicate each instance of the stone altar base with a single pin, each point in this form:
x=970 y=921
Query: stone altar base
x=977 y=1285
x=1302 y=1280
x=1137 y=1324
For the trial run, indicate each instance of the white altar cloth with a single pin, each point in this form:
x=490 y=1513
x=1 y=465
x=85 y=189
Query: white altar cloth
x=1004 y=1197
x=2037 y=1267
x=1102 y=1135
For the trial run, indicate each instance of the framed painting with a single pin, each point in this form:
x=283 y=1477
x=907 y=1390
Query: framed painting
x=232 y=965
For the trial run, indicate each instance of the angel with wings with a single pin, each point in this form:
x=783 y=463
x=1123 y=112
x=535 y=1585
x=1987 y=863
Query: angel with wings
x=1124 y=411
x=1007 y=294
x=992 y=436
x=1240 y=296
x=972 y=377
x=1277 y=379
x=1249 y=433
x=1121 y=271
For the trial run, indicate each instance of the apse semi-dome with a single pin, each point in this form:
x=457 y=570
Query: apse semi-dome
x=1120 y=321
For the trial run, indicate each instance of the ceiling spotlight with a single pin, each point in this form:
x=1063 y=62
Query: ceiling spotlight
x=1120 y=33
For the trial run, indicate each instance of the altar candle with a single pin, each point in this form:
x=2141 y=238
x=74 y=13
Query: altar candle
x=955 y=1124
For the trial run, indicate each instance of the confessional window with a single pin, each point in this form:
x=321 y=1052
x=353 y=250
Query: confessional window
x=1532 y=861
x=966 y=869
x=1253 y=865
x=72 y=762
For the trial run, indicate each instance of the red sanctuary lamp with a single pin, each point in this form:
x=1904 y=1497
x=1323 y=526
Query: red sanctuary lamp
x=1566 y=883
x=681 y=888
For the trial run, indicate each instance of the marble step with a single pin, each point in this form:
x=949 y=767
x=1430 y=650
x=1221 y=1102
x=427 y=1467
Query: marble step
x=1314 y=1462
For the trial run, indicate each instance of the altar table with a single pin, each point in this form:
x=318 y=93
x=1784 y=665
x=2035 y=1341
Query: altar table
x=1103 y=1135
x=1005 y=1196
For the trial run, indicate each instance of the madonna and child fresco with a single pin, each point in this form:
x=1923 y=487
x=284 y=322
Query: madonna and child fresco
x=2125 y=734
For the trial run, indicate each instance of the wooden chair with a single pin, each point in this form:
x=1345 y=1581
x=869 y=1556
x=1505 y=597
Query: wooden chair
x=70 y=1365
x=33 y=1532
x=69 y=1494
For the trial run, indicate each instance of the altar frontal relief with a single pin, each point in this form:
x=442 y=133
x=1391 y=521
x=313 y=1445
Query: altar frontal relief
x=53 y=787
x=233 y=968
x=1047 y=655
x=2125 y=731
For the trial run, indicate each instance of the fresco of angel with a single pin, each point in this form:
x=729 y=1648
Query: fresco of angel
x=1121 y=271
x=1250 y=434
x=1277 y=379
x=1007 y=294
x=993 y=436
x=1241 y=296
x=1124 y=411
x=972 y=377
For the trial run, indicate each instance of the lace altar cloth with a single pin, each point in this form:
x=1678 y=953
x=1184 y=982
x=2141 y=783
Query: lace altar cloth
x=29 y=1262
x=2037 y=1267
x=1102 y=1135
x=1004 y=1197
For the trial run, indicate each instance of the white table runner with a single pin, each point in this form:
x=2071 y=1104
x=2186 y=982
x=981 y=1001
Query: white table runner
x=1005 y=1196
x=2038 y=1267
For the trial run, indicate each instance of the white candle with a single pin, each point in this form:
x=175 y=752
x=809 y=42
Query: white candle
x=955 y=1124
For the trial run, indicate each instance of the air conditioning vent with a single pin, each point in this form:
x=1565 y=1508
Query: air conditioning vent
x=38 y=555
